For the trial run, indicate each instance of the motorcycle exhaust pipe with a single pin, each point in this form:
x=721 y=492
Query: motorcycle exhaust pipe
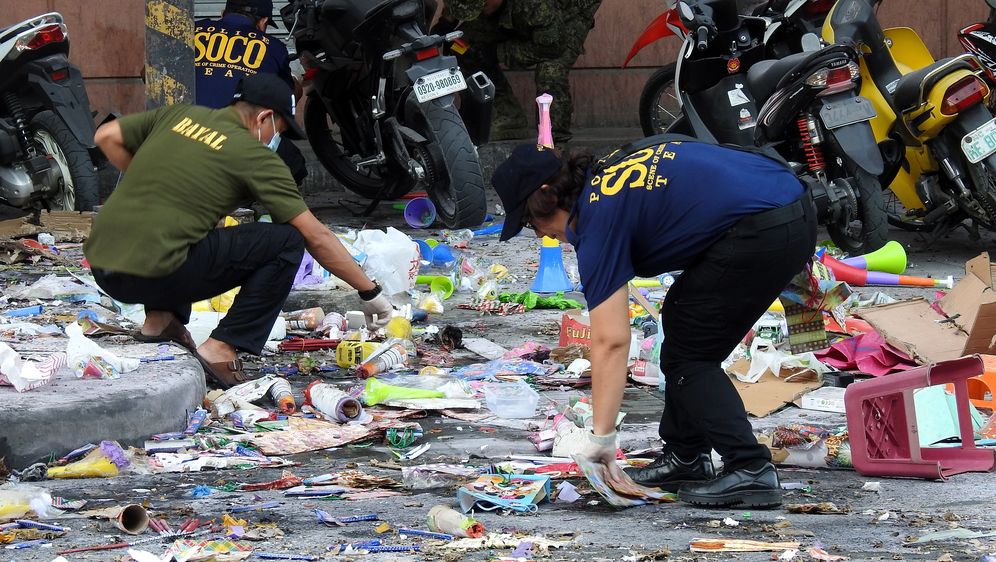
x=476 y=108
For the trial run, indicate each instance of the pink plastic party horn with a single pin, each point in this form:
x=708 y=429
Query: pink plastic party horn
x=545 y=137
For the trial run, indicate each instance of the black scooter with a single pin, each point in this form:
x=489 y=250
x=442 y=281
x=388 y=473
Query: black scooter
x=380 y=114
x=46 y=129
x=804 y=105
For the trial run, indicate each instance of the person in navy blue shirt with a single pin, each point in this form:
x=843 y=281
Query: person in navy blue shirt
x=739 y=226
x=233 y=47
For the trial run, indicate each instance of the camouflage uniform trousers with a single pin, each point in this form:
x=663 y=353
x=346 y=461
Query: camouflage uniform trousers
x=546 y=35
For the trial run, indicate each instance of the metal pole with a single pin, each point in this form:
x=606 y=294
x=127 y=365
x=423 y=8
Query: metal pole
x=169 y=52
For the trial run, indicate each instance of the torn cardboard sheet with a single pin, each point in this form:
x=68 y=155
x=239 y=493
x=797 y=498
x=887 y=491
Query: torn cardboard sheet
x=65 y=226
x=916 y=329
x=769 y=393
x=15 y=251
x=738 y=545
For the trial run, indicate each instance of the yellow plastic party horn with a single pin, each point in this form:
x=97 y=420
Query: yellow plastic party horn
x=377 y=392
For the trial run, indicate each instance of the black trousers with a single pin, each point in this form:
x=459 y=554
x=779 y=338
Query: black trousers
x=262 y=258
x=708 y=311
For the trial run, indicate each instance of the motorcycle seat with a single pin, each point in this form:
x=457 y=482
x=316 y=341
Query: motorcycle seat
x=763 y=78
x=915 y=86
x=767 y=76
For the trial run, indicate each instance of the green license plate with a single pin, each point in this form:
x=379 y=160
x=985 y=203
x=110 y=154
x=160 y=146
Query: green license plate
x=980 y=143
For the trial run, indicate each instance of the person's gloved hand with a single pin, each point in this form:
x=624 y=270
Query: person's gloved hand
x=380 y=307
x=601 y=449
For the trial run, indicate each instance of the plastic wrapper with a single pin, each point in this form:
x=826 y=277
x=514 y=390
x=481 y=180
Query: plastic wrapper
x=52 y=287
x=21 y=500
x=765 y=357
x=89 y=360
x=452 y=387
x=105 y=461
x=25 y=375
x=430 y=302
x=499 y=367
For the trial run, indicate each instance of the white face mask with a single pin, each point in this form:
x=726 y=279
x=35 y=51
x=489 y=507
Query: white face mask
x=275 y=140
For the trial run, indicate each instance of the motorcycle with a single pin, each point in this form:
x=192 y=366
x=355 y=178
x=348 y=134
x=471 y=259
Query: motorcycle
x=380 y=112
x=804 y=106
x=979 y=39
x=787 y=21
x=935 y=131
x=46 y=129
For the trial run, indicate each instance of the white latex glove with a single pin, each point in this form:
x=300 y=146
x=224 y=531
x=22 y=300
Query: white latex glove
x=601 y=449
x=380 y=307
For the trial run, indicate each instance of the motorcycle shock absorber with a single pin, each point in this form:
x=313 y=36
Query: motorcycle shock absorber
x=16 y=111
x=811 y=140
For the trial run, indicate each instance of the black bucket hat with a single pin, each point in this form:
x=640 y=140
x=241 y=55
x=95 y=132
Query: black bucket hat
x=527 y=169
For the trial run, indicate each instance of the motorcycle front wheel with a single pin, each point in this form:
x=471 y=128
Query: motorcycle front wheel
x=659 y=106
x=452 y=169
x=338 y=149
x=871 y=229
x=79 y=188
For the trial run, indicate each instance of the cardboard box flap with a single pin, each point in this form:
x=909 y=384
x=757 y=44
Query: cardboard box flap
x=962 y=303
x=912 y=327
x=982 y=338
x=982 y=268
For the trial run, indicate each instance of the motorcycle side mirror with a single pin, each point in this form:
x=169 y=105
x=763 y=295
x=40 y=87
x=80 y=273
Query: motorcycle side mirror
x=811 y=42
x=686 y=11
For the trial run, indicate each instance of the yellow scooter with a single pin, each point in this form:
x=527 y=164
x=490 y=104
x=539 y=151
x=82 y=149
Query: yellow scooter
x=937 y=135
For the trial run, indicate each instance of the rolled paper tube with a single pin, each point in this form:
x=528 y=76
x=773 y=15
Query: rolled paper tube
x=332 y=402
x=132 y=519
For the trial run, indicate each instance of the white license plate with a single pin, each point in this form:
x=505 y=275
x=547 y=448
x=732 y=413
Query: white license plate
x=439 y=84
x=980 y=143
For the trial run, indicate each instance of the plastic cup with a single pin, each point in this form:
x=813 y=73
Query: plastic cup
x=420 y=213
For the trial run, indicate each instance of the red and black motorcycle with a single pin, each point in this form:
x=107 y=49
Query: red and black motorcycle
x=980 y=40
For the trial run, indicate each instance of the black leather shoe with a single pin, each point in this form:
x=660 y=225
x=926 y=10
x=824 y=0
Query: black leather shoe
x=740 y=488
x=669 y=473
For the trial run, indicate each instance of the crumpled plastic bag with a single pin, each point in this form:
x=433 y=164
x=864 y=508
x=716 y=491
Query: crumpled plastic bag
x=89 y=360
x=765 y=356
x=18 y=500
x=392 y=259
x=25 y=375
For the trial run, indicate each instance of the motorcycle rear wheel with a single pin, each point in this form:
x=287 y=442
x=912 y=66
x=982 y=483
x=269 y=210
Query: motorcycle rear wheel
x=80 y=187
x=338 y=155
x=874 y=226
x=458 y=189
x=659 y=107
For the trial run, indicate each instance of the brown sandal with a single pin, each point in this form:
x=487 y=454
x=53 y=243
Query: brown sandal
x=225 y=374
x=174 y=332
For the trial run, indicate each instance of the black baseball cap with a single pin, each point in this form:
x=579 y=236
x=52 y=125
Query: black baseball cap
x=258 y=8
x=525 y=171
x=270 y=91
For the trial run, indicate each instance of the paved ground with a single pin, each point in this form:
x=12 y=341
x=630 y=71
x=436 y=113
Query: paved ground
x=877 y=528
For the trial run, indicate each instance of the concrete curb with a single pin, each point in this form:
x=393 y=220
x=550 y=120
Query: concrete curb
x=70 y=412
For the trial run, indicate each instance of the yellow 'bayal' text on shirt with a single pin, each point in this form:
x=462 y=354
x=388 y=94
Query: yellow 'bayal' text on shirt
x=200 y=133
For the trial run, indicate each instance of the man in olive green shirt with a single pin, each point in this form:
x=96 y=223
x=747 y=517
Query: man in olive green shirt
x=155 y=243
